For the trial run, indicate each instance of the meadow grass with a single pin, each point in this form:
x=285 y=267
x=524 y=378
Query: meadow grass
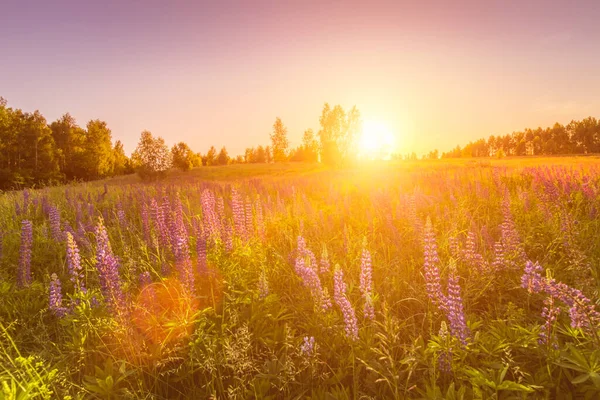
x=410 y=279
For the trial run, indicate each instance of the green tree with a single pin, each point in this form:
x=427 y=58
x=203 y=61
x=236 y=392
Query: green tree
x=98 y=150
x=338 y=134
x=279 y=141
x=211 y=156
x=268 y=155
x=69 y=139
x=151 y=158
x=223 y=157
x=260 y=155
x=311 y=146
x=183 y=156
x=122 y=163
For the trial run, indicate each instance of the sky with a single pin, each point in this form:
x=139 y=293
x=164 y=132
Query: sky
x=436 y=73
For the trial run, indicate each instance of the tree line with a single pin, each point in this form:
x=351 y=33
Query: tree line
x=33 y=152
x=577 y=137
x=332 y=145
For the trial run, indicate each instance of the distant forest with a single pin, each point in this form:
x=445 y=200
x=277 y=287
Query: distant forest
x=577 y=137
x=34 y=153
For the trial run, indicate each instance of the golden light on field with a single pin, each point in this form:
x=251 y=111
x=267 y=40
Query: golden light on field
x=377 y=141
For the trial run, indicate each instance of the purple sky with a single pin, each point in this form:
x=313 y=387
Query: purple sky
x=219 y=72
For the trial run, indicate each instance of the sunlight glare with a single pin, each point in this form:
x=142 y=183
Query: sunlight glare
x=377 y=141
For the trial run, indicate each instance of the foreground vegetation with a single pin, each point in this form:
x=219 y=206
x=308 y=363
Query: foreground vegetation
x=412 y=280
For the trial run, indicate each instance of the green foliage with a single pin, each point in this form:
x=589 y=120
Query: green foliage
x=33 y=153
x=338 y=134
x=151 y=158
x=279 y=141
x=577 y=137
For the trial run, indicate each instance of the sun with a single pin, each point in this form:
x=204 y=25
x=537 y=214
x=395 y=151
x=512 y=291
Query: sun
x=376 y=141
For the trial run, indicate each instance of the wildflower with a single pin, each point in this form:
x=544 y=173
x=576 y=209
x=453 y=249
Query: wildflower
x=339 y=295
x=74 y=262
x=470 y=254
x=309 y=276
x=308 y=346
x=121 y=215
x=454 y=309
x=159 y=223
x=366 y=283
x=499 y=257
x=550 y=313
x=532 y=279
x=201 y=251
x=210 y=218
x=24 y=269
x=54 y=218
x=445 y=359
x=237 y=208
x=55 y=297
x=582 y=311
x=108 y=269
x=145 y=223
x=432 y=273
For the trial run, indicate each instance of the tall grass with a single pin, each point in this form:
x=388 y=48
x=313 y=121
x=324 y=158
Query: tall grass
x=398 y=280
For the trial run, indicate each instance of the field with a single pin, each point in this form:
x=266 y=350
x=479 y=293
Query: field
x=424 y=279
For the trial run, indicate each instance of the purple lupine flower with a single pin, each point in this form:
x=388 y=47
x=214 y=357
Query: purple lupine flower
x=55 y=297
x=432 y=273
x=159 y=223
x=121 y=215
x=366 y=283
x=499 y=258
x=108 y=270
x=220 y=208
x=237 y=208
x=308 y=346
x=470 y=254
x=532 y=279
x=445 y=359
x=365 y=272
x=168 y=221
x=201 y=251
x=210 y=219
x=146 y=223
x=54 y=218
x=74 y=263
x=454 y=309
x=183 y=263
x=511 y=240
x=453 y=247
x=339 y=295
x=582 y=311
x=263 y=284
x=550 y=313
x=24 y=270
x=325 y=266
x=310 y=277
